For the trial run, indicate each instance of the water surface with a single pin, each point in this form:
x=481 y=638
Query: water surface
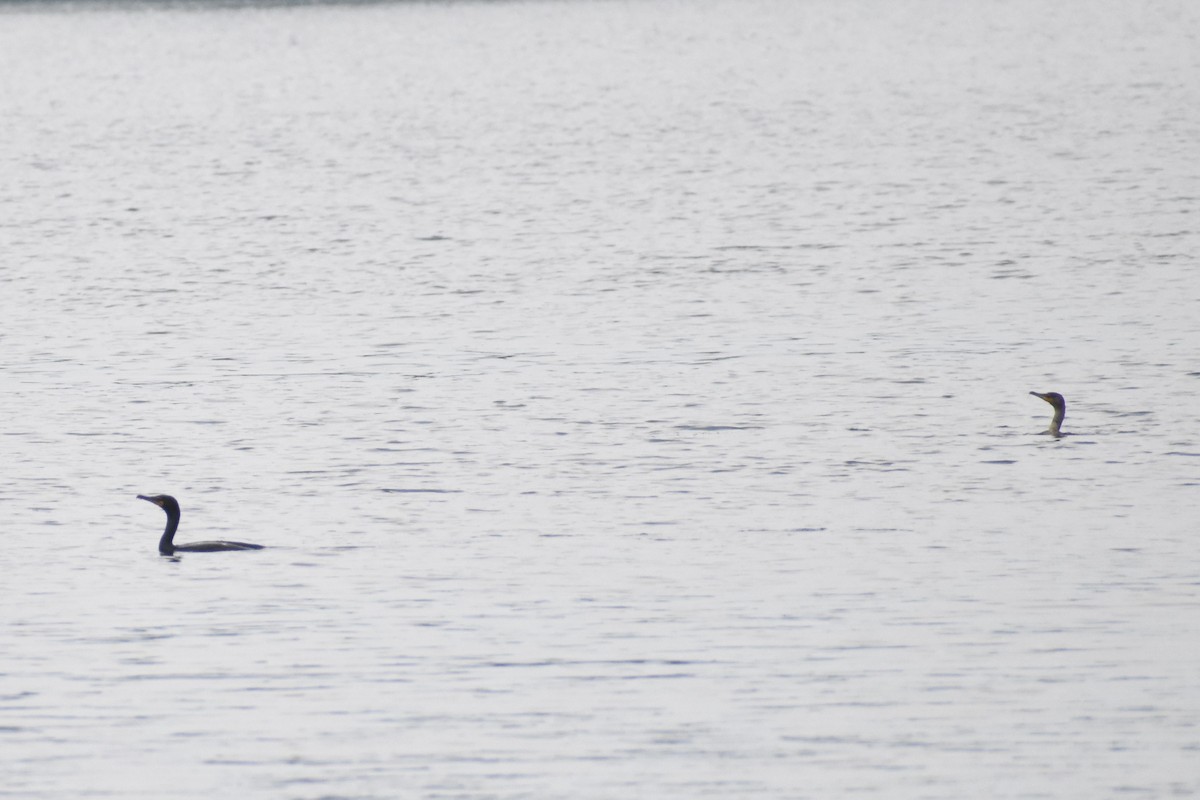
x=633 y=397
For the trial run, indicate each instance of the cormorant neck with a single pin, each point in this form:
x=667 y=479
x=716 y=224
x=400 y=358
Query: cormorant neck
x=166 y=545
x=1055 y=424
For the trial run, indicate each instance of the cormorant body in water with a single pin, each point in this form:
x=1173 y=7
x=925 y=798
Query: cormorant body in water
x=167 y=546
x=1060 y=410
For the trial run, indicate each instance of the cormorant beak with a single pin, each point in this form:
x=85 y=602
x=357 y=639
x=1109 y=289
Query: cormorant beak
x=1042 y=396
x=154 y=500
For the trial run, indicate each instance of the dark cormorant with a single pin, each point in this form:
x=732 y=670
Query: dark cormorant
x=1060 y=410
x=167 y=546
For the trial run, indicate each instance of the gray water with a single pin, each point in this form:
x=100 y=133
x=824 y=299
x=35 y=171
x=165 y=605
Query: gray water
x=632 y=397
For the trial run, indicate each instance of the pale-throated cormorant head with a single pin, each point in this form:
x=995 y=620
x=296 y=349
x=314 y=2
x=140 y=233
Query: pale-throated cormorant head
x=1053 y=398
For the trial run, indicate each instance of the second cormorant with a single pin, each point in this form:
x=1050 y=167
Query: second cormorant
x=1060 y=410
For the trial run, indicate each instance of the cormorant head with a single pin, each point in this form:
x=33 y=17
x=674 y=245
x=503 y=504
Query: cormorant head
x=163 y=501
x=1053 y=398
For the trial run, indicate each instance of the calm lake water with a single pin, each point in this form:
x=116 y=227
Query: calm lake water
x=632 y=397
